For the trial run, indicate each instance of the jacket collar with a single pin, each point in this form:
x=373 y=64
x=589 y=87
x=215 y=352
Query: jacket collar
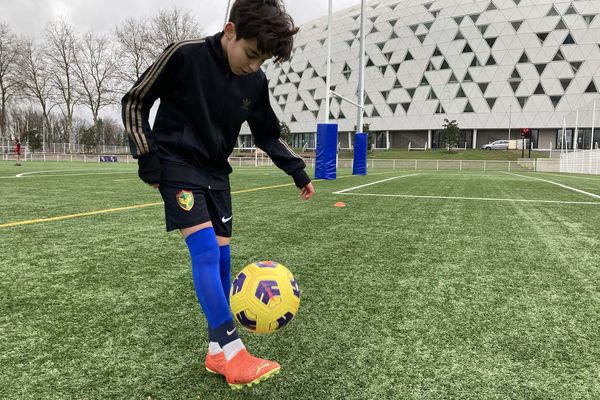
x=215 y=45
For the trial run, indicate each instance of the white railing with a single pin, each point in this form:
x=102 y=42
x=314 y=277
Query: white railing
x=581 y=162
x=49 y=157
x=65 y=148
x=444 y=165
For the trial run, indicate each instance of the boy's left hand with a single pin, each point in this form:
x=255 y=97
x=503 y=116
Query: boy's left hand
x=307 y=191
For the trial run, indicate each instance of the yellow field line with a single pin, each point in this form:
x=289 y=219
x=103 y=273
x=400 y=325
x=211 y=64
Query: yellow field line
x=86 y=214
x=111 y=210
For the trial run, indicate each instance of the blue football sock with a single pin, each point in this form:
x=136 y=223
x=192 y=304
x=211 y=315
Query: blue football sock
x=225 y=269
x=205 y=255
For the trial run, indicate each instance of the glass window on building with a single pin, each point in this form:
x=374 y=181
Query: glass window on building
x=564 y=141
x=436 y=139
x=304 y=141
x=246 y=141
x=584 y=139
x=465 y=139
x=380 y=140
x=535 y=135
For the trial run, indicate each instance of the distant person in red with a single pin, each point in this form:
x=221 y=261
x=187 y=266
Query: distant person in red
x=18 y=152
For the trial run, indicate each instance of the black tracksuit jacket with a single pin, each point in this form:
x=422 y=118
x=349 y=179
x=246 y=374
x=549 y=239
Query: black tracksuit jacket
x=202 y=107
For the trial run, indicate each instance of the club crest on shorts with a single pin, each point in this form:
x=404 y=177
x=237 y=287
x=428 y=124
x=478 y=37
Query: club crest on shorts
x=185 y=199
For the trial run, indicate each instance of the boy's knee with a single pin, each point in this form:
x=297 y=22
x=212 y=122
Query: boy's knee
x=185 y=232
x=223 y=241
x=203 y=244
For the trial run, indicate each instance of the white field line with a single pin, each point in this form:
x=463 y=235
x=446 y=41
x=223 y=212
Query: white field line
x=82 y=174
x=90 y=174
x=127 y=179
x=52 y=173
x=409 y=196
x=570 y=176
x=58 y=170
x=373 y=183
x=557 y=184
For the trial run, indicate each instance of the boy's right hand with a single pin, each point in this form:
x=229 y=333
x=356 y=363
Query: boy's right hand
x=149 y=169
x=307 y=191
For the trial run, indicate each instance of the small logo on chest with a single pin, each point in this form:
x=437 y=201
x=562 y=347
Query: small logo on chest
x=246 y=103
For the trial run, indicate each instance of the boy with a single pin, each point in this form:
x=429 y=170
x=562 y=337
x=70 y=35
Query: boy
x=208 y=88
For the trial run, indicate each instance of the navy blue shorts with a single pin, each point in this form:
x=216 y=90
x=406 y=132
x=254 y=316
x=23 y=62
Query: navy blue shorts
x=186 y=206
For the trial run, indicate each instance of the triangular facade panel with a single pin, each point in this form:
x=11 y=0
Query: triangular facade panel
x=422 y=54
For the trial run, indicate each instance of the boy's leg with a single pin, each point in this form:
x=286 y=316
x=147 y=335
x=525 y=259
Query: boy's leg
x=188 y=211
x=225 y=274
x=242 y=369
x=215 y=352
x=220 y=210
x=225 y=265
x=218 y=203
x=215 y=359
x=204 y=251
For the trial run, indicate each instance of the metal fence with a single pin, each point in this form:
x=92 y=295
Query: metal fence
x=419 y=165
x=581 y=162
x=65 y=148
x=444 y=165
x=86 y=158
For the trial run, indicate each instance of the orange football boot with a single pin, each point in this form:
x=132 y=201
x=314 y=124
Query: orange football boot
x=246 y=370
x=215 y=363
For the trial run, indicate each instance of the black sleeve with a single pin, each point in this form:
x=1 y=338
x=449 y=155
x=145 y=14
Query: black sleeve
x=136 y=104
x=266 y=131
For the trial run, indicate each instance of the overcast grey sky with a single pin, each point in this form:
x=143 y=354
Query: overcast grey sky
x=28 y=17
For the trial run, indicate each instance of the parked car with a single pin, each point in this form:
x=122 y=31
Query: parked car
x=497 y=145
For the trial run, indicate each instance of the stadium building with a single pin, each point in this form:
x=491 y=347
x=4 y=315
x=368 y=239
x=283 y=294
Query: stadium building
x=494 y=66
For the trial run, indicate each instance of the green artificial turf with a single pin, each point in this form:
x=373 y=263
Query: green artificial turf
x=442 y=154
x=418 y=289
x=438 y=154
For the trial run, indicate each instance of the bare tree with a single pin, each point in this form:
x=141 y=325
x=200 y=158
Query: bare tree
x=60 y=51
x=134 y=51
x=9 y=49
x=95 y=70
x=114 y=133
x=56 y=133
x=28 y=122
x=35 y=82
x=169 y=26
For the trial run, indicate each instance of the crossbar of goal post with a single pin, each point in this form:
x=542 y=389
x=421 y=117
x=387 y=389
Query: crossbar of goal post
x=346 y=99
x=359 y=141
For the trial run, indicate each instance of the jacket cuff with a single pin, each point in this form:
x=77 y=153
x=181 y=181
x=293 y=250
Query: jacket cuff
x=301 y=178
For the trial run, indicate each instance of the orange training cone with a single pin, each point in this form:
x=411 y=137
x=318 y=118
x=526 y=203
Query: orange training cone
x=339 y=204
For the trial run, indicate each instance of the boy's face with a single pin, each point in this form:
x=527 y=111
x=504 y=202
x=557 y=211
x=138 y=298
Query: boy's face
x=243 y=55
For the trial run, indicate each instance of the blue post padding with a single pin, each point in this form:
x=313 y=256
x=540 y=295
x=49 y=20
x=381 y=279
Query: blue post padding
x=327 y=137
x=360 y=154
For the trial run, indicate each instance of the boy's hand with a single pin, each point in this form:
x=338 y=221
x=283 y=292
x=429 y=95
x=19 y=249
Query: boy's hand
x=307 y=191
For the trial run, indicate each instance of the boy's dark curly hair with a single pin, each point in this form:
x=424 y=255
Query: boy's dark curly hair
x=268 y=22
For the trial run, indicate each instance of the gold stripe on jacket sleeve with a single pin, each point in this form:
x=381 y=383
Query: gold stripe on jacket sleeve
x=289 y=148
x=133 y=107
